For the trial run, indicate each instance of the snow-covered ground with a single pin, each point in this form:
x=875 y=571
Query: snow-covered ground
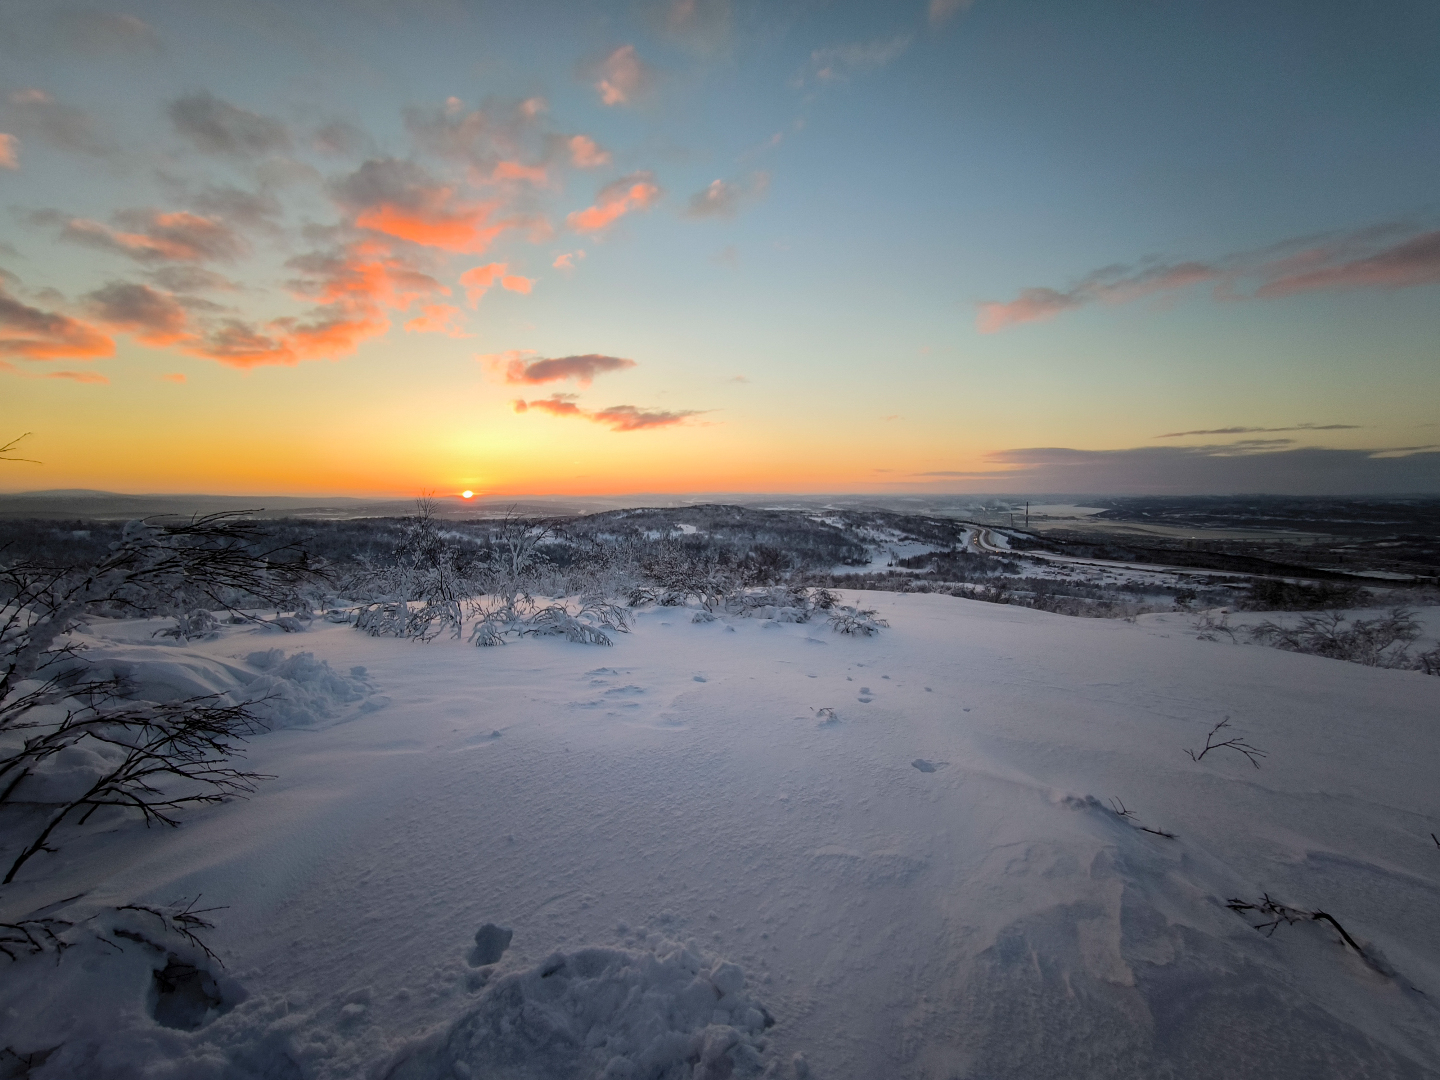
x=743 y=846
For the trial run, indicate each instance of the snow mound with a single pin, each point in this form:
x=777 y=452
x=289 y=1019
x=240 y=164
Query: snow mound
x=298 y=690
x=602 y=1013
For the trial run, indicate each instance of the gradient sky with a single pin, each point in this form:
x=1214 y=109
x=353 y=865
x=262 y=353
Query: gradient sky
x=364 y=247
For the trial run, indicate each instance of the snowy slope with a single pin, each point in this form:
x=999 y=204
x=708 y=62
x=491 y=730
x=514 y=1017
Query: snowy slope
x=927 y=881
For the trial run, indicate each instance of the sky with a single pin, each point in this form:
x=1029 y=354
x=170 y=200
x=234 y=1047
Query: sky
x=357 y=247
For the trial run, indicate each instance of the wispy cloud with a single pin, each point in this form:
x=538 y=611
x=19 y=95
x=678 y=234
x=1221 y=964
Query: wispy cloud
x=478 y=280
x=34 y=112
x=942 y=11
x=622 y=78
x=30 y=333
x=98 y=32
x=218 y=127
x=585 y=153
x=150 y=316
x=152 y=236
x=840 y=62
x=582 y=369
x=724 y=198
x=1361 y=259
x=9 y=151
x=1249 y=430
x=638 y=191
x=616 y=417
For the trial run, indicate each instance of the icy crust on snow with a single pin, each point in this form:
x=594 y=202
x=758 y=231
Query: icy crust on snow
x=663 y=1014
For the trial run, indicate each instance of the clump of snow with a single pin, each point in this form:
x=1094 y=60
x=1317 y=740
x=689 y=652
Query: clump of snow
x=603 y=1012
x=297 y=690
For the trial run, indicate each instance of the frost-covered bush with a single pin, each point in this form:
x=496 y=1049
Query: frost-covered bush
x=75 y=738
x=418 y=592
x=862 y=622
x=198 y=625
x=296 y=690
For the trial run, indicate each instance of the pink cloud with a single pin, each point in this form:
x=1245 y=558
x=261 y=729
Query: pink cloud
x=585 y=154
x=638 y=191
x=623 y=77
x=516 y=283
x=1032 y=305
x=151 y=236
x=616 y=417
x=1345 y=261
x=1414 y=262
x=567 y=261
x=582 y=369
x=9 y=151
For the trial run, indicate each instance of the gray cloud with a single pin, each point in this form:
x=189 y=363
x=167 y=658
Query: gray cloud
x=217 y=127
x=1249 y=430
x=34 y=113
x=1209 y=470
x=724 y=198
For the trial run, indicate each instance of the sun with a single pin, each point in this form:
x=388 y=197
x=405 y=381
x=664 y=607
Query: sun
x=467 y=494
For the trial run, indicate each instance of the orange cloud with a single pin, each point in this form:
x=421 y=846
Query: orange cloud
x=450 y=228
x=78 y=376
x=400 y=199
x=173 y=376
x=623 y=77
x=352 y=288
x=478 y=280
x=585 y=154
x=437 y=319
x=514 y=170
x=33 y=334
x=567 y=260
x=9 y=151
x=638 y=191
x=582 y=369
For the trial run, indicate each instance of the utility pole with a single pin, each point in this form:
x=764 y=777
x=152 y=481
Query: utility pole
x=1027 y=514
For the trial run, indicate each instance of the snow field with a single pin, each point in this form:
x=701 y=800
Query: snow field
x=740 y=809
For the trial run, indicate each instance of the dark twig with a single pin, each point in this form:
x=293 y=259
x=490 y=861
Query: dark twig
x=1234 y=743
x=1120 y=810
x=1282 y=913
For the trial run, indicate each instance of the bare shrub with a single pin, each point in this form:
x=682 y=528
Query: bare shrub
x=1209 y=628
x=1235 y=743
x=1380 y=642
